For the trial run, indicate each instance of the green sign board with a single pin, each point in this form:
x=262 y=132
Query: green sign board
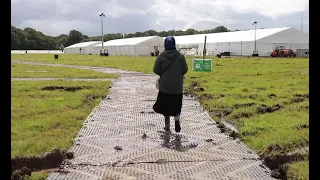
x=202 y=65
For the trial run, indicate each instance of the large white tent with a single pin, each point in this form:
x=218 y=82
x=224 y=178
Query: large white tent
x=242 y=42
x=138 y=46
x=86 y=48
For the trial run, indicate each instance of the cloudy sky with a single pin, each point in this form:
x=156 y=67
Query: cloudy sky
x=55 y=17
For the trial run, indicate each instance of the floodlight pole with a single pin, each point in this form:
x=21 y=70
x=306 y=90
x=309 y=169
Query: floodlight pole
x=255 y=36
x=102 y=15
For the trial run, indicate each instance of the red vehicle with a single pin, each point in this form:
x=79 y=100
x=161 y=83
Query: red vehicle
x=281 y=51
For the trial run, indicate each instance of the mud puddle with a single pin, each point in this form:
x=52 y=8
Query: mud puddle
x=175 y=141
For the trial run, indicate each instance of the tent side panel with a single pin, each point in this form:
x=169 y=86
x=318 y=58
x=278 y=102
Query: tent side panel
x=288 y=36
x=155 y=41
x=143 y=51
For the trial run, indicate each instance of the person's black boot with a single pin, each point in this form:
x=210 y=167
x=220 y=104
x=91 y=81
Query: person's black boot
x=167 y=123
x=177 y=123
x=177 y=126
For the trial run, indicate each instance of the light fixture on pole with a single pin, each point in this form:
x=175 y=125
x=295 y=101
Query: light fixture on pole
x=255 y=52
x=102 y=15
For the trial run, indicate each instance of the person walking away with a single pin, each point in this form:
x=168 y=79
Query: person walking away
x=171 y=66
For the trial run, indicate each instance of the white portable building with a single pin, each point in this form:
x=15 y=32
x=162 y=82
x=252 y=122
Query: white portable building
x=138 y=46
x=241 y=43
x=86 y=48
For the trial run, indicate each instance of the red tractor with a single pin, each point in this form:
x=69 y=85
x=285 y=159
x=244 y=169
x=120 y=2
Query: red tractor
x=281 y=51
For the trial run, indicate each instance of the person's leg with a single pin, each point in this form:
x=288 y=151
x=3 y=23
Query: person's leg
x=178 y=110
x=177 y=117
x=177 y=123
x=167 y=123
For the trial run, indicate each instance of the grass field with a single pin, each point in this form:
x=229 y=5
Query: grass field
x=266 y=99
x=36 y=71
x=44 y=118
x=38 y=124
x=141 y=64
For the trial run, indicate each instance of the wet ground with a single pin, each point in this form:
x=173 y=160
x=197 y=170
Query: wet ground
x=124 y=139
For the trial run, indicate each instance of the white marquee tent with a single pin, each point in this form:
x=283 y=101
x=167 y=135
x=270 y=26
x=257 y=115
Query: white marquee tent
x=86 y=48
x=242 y=42
x=138 y=46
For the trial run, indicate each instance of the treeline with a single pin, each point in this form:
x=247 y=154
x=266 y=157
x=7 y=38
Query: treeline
x=31 y=39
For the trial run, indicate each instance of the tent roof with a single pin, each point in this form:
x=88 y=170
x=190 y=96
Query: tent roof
x=127 y=41
x=83 y=44
x=236 y=36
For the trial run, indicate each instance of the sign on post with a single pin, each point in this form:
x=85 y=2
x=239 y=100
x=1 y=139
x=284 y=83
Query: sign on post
x=202 y=65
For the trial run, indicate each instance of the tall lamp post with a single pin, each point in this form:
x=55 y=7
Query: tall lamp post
x=255 y=52
x=102 y=15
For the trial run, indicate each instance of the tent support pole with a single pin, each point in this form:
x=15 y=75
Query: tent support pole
x=241 y=47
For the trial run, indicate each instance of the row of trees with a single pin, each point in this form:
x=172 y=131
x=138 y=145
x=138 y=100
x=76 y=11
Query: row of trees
x=28 y=38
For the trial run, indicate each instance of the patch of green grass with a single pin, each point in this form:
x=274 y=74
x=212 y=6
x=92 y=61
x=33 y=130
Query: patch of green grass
x=281 y=127
x=265 y=83
x=36 y=71
x=299 y=170
x=141 y=64
x=43 y=120
x=42 y=175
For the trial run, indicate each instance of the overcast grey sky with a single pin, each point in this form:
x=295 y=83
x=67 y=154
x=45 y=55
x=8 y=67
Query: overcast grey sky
x=55 y=17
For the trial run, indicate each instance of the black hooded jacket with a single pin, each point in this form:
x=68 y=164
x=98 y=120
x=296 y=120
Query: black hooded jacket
x=171 y=65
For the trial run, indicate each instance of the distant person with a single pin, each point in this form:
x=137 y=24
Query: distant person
x=171 y=66
x=157 y=53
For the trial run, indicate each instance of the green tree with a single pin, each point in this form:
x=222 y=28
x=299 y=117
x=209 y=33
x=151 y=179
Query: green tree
x=137 y=34
x=15 y=41
x=130 y=35
x=151 y=33
x=163 y=34
x=51 y=43
x=190 y=32
x=61 y=47
x=179 y=33
x=31 y=39
x=171 y=33
x=220 y=29
x=22 y=37
x=62 y=39
x=37 y=40
x=74 y=37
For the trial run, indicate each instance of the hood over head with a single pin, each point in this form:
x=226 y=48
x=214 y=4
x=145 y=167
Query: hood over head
x=169 y=43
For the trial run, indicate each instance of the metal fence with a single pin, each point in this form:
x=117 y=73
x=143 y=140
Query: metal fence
x=302 y=52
